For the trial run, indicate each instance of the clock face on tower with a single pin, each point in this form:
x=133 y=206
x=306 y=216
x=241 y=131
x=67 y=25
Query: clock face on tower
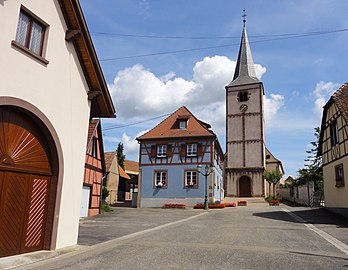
x=243 y=108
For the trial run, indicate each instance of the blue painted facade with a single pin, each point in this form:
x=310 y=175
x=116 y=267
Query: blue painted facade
x=176 y=164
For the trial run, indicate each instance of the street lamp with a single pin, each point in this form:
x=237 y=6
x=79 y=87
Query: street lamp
x=208 y=171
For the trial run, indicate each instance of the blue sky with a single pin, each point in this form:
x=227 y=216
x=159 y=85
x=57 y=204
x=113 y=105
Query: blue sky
x=299 y=74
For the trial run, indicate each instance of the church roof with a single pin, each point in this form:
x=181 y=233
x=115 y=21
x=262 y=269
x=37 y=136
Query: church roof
x=169 y=127
x=245 y=70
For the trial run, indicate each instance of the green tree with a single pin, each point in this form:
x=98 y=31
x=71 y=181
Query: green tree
x=120 y=156
x=272 y=177
x=312 y=171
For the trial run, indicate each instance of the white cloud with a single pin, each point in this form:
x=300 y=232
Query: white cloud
x=322 y=92
x=272 y=106
x=131 y=146
x=138 y=93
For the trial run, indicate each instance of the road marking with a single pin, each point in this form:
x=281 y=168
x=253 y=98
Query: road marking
x=101 y=246
x=146 y=231
x=337 y=243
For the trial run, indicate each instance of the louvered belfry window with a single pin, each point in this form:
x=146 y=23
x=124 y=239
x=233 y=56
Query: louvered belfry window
x=30 y=33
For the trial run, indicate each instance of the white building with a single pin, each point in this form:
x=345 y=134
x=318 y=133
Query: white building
x=51 y=86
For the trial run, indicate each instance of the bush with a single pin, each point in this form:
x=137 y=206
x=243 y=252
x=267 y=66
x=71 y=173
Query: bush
x=106 y=208
x=270 y=198
x=105 y=193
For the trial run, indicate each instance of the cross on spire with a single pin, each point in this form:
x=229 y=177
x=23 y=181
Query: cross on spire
x=244 y=16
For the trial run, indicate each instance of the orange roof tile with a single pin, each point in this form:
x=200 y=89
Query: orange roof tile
x=109 y=157
x=168 y=128
x=131 y=166
x=91 y=129
x=123 y=174
x=341 y=99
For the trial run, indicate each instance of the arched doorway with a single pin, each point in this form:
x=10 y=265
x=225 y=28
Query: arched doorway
x=245 y=186
x=27 y=184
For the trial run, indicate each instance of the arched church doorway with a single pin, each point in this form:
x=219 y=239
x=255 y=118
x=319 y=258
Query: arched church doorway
x=245 y=186
x=28 y=183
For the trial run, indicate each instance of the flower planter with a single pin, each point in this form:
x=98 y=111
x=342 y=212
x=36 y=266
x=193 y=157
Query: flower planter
x=242 y=203
x=274 y=203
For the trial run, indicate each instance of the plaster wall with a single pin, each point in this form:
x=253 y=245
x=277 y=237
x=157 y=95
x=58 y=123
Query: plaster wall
x=335 y=197
x=59 y=90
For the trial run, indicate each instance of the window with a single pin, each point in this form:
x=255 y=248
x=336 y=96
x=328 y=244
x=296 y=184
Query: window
x=243 y=96
x=183 y=124
x=30 y=33
x=192 y=149
x=160 y=179
x=161 y=150
x=268 y=156
x=333 y=133
x=93 y=147
x=339 y=175
x=190 y=178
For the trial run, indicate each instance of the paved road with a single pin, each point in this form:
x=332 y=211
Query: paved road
x=253 y=237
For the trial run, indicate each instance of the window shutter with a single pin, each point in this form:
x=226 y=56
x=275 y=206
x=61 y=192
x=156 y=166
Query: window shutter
x=169 y=150
x=183 y=150
x=199 y=149
x=153 y=151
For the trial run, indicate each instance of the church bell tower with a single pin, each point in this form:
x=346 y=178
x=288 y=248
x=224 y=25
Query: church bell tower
x=245 y=132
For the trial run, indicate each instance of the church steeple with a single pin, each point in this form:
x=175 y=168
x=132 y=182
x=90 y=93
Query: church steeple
x=245 y=70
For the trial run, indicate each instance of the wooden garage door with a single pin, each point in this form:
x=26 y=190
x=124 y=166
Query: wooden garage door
x=24 y=184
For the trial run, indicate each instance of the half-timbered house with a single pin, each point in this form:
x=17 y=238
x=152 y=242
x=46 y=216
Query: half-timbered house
x=51 y=86
x=168 y=159
x=333 y=147
x=94 y=171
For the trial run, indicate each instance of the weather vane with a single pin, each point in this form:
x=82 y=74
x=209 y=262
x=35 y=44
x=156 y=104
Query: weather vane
x=244 y=16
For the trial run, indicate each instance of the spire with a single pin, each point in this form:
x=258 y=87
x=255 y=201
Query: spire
x=245 y=71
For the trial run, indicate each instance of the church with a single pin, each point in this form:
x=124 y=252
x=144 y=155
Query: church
x=247 y=157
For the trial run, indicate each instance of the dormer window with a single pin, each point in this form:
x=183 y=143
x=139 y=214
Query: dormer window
x=243 y=96
x=182 y=124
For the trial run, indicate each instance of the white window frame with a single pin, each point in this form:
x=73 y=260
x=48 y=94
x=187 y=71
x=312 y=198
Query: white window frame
x=162 y=150
x=189 y=177
x=191 y=149
x=161 y=179
x=182 y=124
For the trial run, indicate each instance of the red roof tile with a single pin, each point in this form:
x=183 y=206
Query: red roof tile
x=341 y=99
x=123 y=174
x=109 y=157
x=169 y=128
x=131 y=166
x=92 y=129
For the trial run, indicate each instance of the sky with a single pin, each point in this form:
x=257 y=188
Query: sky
x=157 y=56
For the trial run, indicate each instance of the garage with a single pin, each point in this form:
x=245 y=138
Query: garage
x=27 y=192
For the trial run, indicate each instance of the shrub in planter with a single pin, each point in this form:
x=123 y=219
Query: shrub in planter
x=274 y=202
